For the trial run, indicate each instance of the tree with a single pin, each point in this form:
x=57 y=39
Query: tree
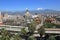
x=41 y=31
x=51 y=38
x=5 y=35
x=17 y=37
x=23 y=31
x=32 y=27
x=31 y=38
x=24 y=34
x=48 y=25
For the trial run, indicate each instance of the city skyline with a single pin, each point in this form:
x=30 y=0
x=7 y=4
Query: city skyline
x=18 y=5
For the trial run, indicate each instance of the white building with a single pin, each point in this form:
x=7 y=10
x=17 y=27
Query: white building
x=28 y=16
x=1 y=19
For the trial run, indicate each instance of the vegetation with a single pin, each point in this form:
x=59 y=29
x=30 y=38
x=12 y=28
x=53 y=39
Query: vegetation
x=5 y=35
x=41 y=31
x=51 y=25
x=47 y=25
x=51 y=37
x=31 y=38
x=23 y=31
x=31 y=28
x=58 y=19
x=17 y=37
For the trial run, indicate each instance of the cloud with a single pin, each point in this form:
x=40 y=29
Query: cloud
x=26 y=8
x=39 y=8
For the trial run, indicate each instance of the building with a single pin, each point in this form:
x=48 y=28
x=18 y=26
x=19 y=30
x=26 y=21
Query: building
x=13 y=19
x=1 y=22
x=28 y=16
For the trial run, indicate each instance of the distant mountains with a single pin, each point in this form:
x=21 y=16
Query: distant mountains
x=45 y=11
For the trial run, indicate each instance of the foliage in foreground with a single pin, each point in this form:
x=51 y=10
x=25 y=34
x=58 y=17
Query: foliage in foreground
x=51 y=38
x=17 y=37
x=31 y=38
x=41 y=31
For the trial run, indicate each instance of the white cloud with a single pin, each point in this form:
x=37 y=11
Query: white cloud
x=26 y=8
x=39 y=8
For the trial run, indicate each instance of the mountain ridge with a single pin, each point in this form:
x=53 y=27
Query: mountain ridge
x=45 y=11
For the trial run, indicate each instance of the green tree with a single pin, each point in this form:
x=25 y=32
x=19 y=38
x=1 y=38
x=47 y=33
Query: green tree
x=31 y=38
x=23 y=31
x=41 y=31
x=32 y=27
x=48 y=25
x=17 y=37
x=5 y=35
x=51 y=38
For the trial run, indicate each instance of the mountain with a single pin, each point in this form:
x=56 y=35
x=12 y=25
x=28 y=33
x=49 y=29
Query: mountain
x=44 y=11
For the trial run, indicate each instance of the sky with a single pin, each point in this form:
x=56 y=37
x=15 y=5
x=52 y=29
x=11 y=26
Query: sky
x=18 y=5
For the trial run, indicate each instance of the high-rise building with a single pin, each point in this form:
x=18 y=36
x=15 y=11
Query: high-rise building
x=28 y=16
x=6 y=15
x=27 y=13
x=1 y=19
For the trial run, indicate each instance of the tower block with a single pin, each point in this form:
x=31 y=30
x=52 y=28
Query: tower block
x=1 y=23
